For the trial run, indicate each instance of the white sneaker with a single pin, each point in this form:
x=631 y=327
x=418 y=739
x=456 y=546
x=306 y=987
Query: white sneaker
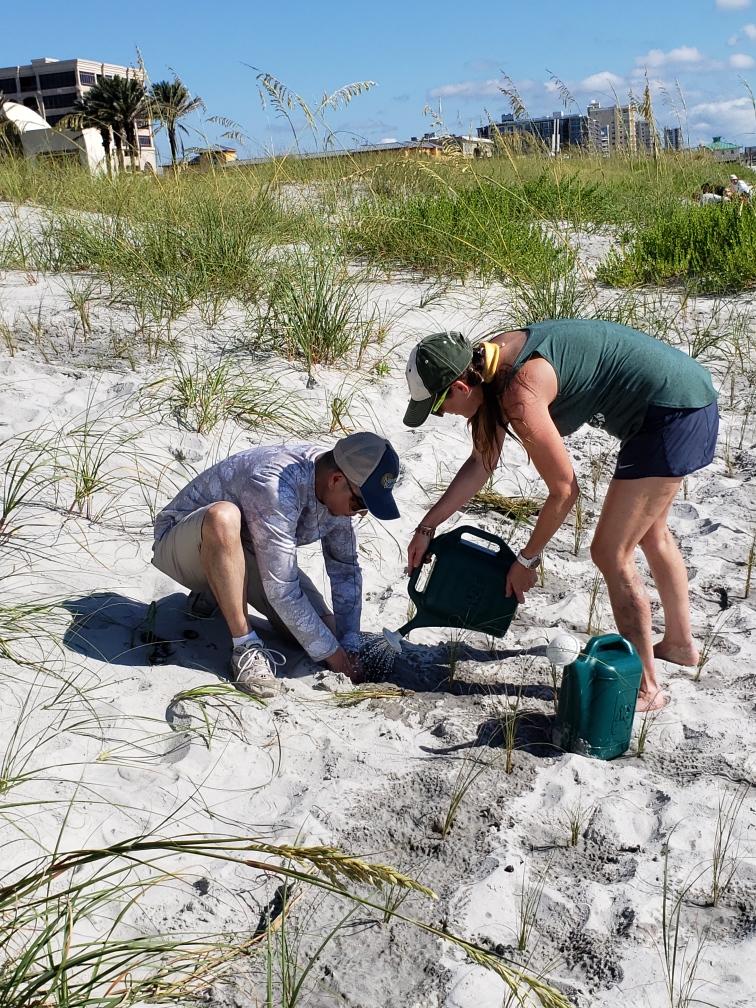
x=253 y=669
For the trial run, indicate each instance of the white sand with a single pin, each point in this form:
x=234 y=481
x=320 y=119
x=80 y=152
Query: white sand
x=376 y=779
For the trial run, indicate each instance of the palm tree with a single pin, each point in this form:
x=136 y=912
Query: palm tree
x=169 y=102
x=114 y=105
x=130 y=103
x=89 y=112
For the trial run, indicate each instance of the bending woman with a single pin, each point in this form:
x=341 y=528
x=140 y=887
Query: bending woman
x=545 y=382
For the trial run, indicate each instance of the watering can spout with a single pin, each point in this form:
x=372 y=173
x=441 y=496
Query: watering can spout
x=394 y=638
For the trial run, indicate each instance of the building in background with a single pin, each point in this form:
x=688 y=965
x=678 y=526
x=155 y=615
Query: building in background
x=51 y=86
x=602 y=130
x=450 y=143
x=673 y=138
x=551 y=134
x=212 y=157
x=723 y=150
x=618 y=128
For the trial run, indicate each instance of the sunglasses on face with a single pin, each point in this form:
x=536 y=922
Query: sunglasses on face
x=440 y=399
x=356 y=501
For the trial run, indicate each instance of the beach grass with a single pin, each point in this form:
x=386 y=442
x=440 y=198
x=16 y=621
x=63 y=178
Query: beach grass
x=297 y=249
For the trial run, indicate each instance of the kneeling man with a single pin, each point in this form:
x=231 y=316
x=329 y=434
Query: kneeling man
x=233 y=533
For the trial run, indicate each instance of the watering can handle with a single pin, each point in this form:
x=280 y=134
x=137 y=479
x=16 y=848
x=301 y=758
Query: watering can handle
x=476 y=533
x=412 y=591
x=607 y=642
x=457 y=533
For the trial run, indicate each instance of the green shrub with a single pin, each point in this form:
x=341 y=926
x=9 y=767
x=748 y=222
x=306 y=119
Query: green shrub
x=487 y=229
x=710 y=249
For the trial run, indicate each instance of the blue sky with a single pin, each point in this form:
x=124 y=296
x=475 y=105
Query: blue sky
x=419 y=54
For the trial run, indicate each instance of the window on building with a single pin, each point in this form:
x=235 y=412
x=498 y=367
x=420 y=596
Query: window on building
x=145 y=141
x=8 y=85
x=60 y=100
x=85 y=77
x=28 y=83
x=66 y=78
x=32 y=103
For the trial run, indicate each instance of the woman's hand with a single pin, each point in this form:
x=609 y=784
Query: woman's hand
x=520 y=580
x=416 y=550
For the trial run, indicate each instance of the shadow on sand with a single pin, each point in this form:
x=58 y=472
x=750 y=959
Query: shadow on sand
x=533 y=734
x=117 y=630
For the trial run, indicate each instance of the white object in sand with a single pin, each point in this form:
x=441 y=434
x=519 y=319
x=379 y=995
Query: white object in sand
x=563 y=649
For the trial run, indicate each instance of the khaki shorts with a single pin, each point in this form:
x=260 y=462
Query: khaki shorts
x=177 y=554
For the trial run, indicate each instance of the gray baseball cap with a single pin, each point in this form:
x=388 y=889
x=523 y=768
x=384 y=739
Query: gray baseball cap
x=370 y=462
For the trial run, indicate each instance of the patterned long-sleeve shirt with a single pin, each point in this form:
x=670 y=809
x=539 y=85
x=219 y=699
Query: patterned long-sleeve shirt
x=274 y=488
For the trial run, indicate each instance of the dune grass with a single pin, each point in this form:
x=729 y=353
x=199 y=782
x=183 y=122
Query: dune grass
x=456 y=231
x=709 y=249
x=200 y=395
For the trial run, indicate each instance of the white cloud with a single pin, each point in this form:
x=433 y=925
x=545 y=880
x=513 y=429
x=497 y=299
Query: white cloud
x=388 y=140
x=741 y=61
x=604 y=80
x=468 y=89
x=733 y=40
x=749 y=31
x=732 y=117
x=681 y=56
x=476 y=89
x=733 y=4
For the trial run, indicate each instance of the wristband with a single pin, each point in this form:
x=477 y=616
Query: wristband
x=528 y=562
x=426 y=530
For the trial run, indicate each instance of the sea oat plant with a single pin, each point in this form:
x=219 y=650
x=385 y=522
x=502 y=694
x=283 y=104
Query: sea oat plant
x=680 y=955
x=579 y=523
x=470 y=769
x=81 y=295
x=90 y=459
x=28 y=462
x=709 y=642
x=724 y=857
x=593 y=623
x=509 y=717
x=529 y=900
x=749 y=565
x=201 y=396
x=319 y=310
x=350 y=698
x=219 y=706
x=576 y=817
x=648 y=721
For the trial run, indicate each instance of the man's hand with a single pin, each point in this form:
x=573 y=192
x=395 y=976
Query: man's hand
x=346 y=664
x=520 y=580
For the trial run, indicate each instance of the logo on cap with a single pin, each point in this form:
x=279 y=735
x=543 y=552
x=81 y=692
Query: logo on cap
x=388 y=480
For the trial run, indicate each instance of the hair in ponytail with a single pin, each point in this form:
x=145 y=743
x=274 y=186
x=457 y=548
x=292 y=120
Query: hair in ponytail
x=489 y=423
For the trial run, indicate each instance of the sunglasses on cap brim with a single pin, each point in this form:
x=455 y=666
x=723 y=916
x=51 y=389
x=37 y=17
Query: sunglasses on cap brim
x=440 y=400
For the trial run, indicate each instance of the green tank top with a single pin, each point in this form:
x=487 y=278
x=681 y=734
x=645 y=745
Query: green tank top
x=609 y=374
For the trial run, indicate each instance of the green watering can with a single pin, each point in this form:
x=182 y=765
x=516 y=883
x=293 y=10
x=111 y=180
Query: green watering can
x=597 y=698
x=464 y=586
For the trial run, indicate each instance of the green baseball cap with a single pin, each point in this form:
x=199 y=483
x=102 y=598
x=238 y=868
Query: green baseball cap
x=436 y=362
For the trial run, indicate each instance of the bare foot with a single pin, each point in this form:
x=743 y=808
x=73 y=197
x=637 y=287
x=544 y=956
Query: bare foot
x=678 y=654
x=650 y=701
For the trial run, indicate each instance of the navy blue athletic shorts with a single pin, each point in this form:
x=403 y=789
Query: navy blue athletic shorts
x=671 y=442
